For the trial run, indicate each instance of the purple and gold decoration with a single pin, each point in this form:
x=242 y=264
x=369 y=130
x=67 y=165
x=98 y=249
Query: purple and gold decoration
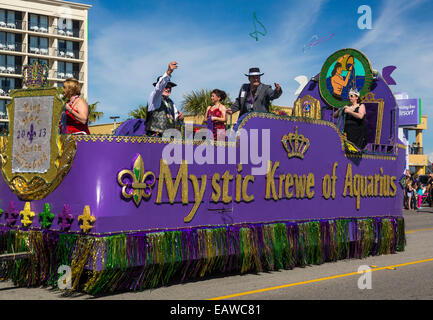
x=87 y=220
x=147 y=220
x=11 y=214
x=136 y=183
x=307 y=107
x=295 y=144
x=27 y=215
x=46 y=217
x=35 y=75
x=35 y=158
x=65 y=218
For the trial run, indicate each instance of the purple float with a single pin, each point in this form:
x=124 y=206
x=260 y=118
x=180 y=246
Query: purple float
x=134 y=212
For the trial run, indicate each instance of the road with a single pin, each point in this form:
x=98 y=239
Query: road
x=405 y=275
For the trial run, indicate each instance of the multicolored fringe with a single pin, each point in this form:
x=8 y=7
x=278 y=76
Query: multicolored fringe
x=135 y=261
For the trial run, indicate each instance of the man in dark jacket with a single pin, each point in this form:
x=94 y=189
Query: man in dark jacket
x=255 y=96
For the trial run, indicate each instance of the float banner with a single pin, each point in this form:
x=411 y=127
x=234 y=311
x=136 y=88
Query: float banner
x=32 y=134
x=408 y=112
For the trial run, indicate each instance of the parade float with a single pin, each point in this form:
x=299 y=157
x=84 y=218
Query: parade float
x=122 y=218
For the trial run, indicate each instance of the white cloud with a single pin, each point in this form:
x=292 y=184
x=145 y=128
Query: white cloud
x=399 y=38
x=126 y=58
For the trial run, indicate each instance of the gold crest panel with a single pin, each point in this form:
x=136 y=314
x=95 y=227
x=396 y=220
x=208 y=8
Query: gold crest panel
x=35 y=158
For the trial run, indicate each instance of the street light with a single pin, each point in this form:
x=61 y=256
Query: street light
x=114 y=124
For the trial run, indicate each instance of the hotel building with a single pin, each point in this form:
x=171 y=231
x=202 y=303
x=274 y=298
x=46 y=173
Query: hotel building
x=53 y=32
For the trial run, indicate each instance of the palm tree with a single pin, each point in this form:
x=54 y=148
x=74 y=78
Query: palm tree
x=93 y=114
x=139 y=113
x=197 y=102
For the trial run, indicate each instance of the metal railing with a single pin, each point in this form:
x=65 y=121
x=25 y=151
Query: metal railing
x=74 y=54
x=416 y=150
x=15 y=46
x=11 y=69
x=74 y=32
x=41 y=29
x=36 y=50
x=65 y=75
x=17 y=24
x=5 y=91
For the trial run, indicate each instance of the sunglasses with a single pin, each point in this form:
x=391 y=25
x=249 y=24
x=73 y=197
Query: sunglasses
x=352 y=96
x=167 y=88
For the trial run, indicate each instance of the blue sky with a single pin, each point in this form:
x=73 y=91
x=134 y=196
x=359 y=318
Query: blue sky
x=131 y=43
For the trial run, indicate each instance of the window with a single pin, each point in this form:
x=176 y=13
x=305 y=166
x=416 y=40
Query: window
x=2 y=107
x=9 y=64
x=7 y=84
x=38 y=45
x=68 y=49
x=10 y=19
x=67 y=70
x=40 y=61
x=38 y=23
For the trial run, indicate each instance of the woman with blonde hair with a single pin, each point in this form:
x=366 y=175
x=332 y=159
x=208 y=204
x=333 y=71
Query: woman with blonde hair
x=77 y=110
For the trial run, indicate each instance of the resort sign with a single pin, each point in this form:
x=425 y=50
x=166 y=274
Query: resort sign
x=408 y=112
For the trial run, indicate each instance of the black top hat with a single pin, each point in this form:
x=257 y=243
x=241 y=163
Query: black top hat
x=254 y=72
x=169 y=84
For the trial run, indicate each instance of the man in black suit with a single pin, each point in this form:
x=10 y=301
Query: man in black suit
x=255 y=96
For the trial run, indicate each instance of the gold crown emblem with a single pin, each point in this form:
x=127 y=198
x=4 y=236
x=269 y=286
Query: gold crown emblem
x=295 y=144
x=35 y=75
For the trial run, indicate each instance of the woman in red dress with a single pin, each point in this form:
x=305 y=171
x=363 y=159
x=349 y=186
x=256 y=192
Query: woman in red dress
x=217 y=114
x=77 y=111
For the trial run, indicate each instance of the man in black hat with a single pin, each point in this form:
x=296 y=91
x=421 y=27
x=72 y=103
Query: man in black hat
x=255 y=96
x=161 y=111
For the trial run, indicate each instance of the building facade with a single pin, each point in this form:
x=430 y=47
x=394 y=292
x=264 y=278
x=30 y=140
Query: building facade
x=53 y=32
x=417 y=159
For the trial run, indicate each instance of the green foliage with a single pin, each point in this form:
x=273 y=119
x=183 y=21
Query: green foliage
x=139 y=113
x=93 y=114
x=197 y=102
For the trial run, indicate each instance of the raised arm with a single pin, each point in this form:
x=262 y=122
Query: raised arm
x=156 y=93
x=275 y=94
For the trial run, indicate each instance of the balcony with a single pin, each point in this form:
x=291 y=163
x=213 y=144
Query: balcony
x=65 y=75
x=17 y=24
x=74 y=54
x=11 y=69
x=36 y=50
x=4 y=92
x=74 y=33
x=41 y=29
x=16 y=47
x=415 y=150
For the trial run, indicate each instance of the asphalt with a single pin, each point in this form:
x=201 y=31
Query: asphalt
x=409 y=277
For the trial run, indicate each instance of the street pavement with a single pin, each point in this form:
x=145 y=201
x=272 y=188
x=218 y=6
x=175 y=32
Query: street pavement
x=405 y=275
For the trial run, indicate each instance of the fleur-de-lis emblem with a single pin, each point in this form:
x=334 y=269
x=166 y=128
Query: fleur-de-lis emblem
x=87 y=218
x=11 y=214
x=66 y=218
x=46 y=217
x=31 y=134
x=136 y=183
x=27 y=215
